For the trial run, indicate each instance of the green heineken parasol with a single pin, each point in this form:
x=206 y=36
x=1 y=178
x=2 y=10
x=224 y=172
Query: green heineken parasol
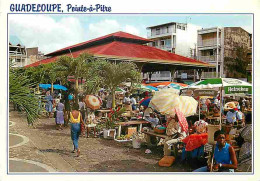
x=229 y=85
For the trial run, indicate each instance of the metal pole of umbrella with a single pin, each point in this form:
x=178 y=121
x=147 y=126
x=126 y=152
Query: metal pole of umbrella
x=199 y=107
x=220 y=109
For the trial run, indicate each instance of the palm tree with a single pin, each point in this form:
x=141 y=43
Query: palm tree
x=50 y=73
x=115 y=74
x=94 y=80
x=20 y=94
x=36 y=74
x=76 y=67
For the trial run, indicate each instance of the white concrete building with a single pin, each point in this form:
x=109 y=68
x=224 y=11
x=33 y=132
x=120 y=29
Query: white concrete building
x=211 y=50
x=21 y=56
x=178 y=38
x=174 y=37
x=17 y=55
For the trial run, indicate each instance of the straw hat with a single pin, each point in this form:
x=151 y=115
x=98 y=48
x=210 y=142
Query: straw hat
x=230 y=105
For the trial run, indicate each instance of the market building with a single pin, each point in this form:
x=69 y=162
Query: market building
x=121 y=46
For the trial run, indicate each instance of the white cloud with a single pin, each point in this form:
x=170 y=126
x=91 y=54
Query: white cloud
x=131 y=29
x=46 y=32
x=109 y=26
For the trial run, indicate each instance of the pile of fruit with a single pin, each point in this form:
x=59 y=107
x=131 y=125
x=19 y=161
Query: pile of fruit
x=123 y=137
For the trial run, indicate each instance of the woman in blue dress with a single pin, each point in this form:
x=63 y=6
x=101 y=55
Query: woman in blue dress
x=60 y=115
x=48 y=105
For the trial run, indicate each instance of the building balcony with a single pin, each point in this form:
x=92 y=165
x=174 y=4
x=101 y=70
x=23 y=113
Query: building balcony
x=209 y=42
x=209 y=59
x=158 y=35
x=164 y=47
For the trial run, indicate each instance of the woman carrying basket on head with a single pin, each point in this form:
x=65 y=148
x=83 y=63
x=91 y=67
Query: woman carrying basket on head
x=76 y=121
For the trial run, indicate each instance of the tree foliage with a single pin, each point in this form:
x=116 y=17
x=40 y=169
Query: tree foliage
x=20 y=94
x=76 y=67
x=94 y=80
x=236 y=66
x=115 y=74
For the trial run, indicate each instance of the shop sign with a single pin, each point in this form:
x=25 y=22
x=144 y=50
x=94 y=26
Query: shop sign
x=205 y=92
x=238 y=90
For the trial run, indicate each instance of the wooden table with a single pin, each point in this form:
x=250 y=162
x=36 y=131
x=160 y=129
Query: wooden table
x=104 y=112
x=216 y=119
x=140 y=123
x=152 y=133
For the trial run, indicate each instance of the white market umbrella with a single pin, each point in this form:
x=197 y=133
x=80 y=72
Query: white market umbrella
x=167 y=100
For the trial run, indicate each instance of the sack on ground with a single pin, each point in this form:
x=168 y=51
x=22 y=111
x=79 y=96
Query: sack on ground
x=167 y=161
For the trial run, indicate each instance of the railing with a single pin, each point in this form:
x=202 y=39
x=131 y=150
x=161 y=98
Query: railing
x=164 y=47
x=209 y=42
x=212 y=58
x=155 y=35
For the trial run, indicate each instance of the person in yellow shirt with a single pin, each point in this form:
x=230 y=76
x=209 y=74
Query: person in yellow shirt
x=75 y=120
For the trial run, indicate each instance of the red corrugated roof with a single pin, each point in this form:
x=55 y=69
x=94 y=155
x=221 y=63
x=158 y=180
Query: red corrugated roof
x=116 y=34
x=125 y=50
x=132 y=51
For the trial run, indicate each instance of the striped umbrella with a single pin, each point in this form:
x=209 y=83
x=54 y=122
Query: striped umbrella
x=165 y=101
x=92 y=102
x=118 y=89
x=152 y=88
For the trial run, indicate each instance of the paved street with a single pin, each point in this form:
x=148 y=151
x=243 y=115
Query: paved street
x=44 y=149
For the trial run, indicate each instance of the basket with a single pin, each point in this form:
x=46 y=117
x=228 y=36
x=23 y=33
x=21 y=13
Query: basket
x=159 y=131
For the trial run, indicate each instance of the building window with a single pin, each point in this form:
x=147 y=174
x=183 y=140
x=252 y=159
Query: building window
x=178 y=27
x=183 y=28
x=162 y=42
x=168 y=43
x=211 y=52
x=167 y=29
x=157 y=31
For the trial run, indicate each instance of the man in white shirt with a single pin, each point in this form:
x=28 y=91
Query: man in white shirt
x=133 y=102
x=127 y=99
x=232 y=116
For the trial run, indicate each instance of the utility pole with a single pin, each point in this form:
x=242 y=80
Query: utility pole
x=217 y=75
x=222 y=53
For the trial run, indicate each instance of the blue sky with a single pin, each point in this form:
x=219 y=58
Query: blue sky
x=52 y=32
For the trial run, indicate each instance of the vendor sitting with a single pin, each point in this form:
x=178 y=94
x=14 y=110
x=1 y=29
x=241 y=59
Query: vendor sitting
x=91 y=122
x=201 y=126
x=232 y=114
x=224 y=155
x=194 y=143
x=174 y=133
x=152 y=118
